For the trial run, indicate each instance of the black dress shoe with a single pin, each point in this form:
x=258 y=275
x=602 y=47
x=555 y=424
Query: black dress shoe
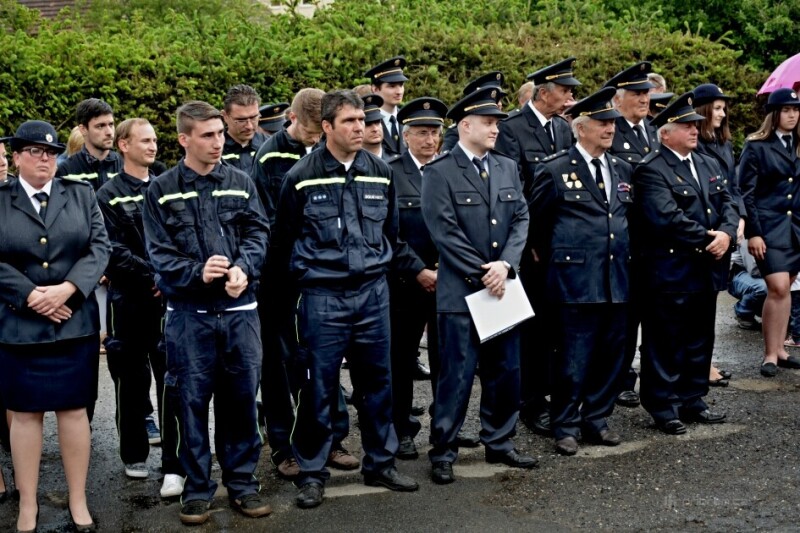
x=442 y=473
x=421 y=372
x=721 y=382
x=467 y=440
x=511 y=458
x=309 y=495
x=407 y=449
x=78 y=528
x=392 y=480
x=706 y=416
x=628 y=398
x=672 y=427
x=539 y=423
x=605 y=437
x=567 y=446
x=769 y=370
x=417 y=410
x=793 y=361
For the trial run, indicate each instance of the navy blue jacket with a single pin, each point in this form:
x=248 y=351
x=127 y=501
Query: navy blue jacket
x=626 y=144
x=408 y=186
x=121 y=201
x=723 y=153
x=241 y=157
x=272 y=161
x=471 y=225
x=188 y=218
x=70 y=245
x=673 y=216
x=523 y=138
x=339 y=227
x=585 y=240
x=769 y=178
x=83 y=166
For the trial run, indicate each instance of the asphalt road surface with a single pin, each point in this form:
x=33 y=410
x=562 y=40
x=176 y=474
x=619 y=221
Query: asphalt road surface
x=738 y=476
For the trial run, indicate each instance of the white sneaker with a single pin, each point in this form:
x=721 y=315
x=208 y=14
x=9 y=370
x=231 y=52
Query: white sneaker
x=136 y=470
x=173 y=486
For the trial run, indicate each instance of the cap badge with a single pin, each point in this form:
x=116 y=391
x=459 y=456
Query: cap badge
x=426 y=105
x=368 y=99
x=277 y=109
x=794 y=95
x=689 y=100
x=397 y=62
x=499 y=75
x=48 y=138
x=642 y=67
x=720 y=90
x=494 y=94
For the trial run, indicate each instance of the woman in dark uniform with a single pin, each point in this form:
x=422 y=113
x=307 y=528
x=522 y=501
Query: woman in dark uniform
x=53 y=250
x=714 y=141
x=769 y=178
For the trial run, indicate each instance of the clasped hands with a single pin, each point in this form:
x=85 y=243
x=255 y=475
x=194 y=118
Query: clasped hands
x=219 y=266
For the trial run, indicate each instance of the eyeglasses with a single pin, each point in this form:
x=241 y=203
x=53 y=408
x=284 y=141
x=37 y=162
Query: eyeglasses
x=245 y=120
x=37 y=152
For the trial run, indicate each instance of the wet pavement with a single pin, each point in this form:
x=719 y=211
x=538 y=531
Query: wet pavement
x=740 y=476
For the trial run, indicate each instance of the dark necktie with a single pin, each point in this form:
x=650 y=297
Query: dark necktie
x=481 y=169
x=787 y=140
x=688 y=163
x=642 y=135
x=42 y=198
x=393 y=122
x=598 y=178
x=549 y=129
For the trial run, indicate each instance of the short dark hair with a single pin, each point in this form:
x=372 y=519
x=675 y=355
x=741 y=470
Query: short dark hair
x=195 y=111
x=333 y=101
x=91 y=108
x=242 y=95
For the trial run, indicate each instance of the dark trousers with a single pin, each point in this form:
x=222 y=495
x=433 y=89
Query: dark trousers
x=411 y=309
x=280 y=379
x=538 y=340
x=132 y=349
x=330 y=325
x=586 y=367
x=460 y=352
x=219 y=355
x=677 y=344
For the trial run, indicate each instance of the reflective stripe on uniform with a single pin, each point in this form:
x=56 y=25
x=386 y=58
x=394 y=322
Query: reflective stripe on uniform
x=371 y=179
x=231 y=192
x=230 y=156
x=319 y=181
x=92 y=176
x=271 y=155
x=177 y=196
x=125 y=199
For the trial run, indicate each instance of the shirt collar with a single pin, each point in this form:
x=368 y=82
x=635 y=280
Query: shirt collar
x=415 y=160
x=190 y=175
x=632 y=125
x=470 y=155
x=679 y=156
x=588 y=157
x=542 y=119
x=30 y=190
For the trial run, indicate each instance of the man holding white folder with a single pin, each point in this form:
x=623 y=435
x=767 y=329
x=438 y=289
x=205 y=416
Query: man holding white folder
x=473 y=206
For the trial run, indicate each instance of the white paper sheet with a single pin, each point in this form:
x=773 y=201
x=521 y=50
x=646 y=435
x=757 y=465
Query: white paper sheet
x=493 y=316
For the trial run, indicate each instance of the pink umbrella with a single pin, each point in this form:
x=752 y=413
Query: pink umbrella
x=786 y=75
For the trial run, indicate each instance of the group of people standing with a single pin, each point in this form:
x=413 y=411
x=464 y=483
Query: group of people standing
x=264 y=259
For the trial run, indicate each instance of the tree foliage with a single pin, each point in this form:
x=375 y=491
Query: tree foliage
x=146 y=57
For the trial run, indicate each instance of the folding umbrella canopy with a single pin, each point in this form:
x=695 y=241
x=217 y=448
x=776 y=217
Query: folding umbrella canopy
x=786 y=75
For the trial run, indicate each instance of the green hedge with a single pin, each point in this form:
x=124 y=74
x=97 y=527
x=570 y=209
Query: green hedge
x=146 y=57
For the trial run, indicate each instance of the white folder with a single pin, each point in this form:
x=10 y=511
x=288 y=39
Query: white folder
x=494 y=316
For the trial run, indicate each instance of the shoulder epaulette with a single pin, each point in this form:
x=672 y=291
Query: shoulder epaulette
x=552 y=157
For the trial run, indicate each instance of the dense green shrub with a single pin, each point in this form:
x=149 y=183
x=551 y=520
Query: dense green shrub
x=145 y=57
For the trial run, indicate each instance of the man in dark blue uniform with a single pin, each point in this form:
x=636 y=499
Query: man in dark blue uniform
x=207 y=239
x=580 y=203
x=413 y=293
x=527 y=137
x=684 y=226
x=473 y=206
x=633 y=140
x=373 y=127
x=96 y=162
x=388 y=81
x=279 y=380
x=337 y=220
x=242 y=138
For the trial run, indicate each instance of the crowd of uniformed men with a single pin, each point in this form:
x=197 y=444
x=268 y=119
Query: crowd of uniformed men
x=348 y=225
